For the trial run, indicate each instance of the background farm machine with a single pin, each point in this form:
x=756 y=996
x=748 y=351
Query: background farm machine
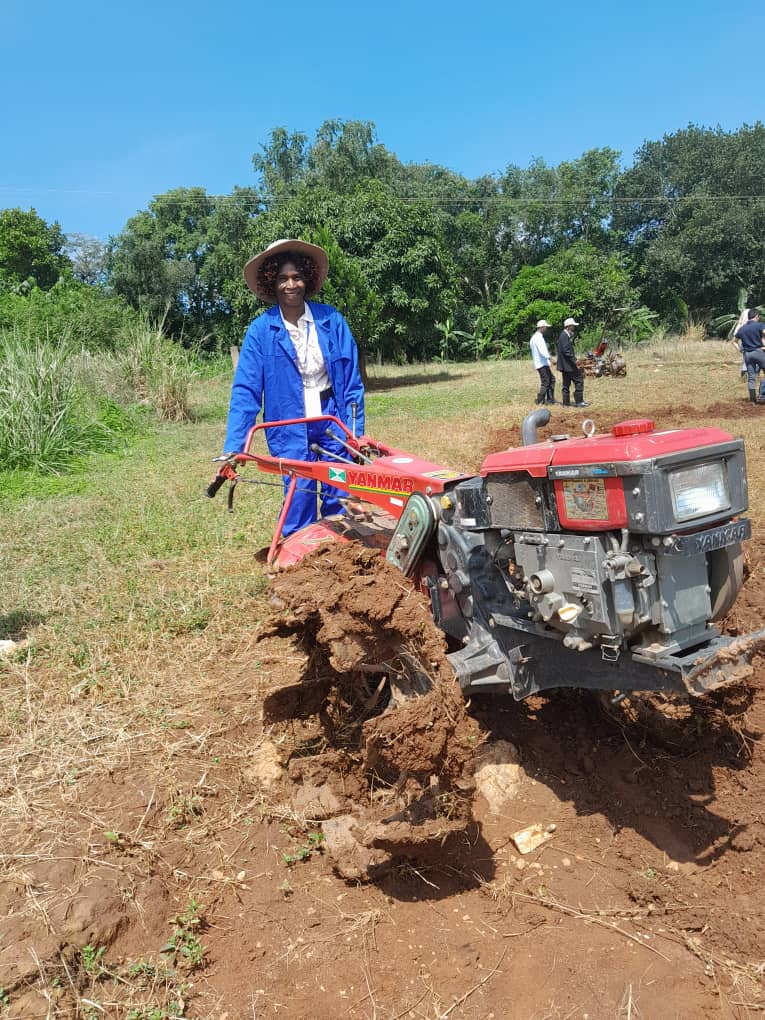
x=604 y=361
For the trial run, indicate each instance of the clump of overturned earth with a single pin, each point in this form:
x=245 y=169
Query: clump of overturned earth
x=389 y=764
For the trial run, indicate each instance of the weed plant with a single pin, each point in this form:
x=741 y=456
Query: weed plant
x=60 y=402
x=47 y=415
x=158 y=370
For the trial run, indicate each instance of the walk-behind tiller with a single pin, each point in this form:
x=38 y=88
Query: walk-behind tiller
x=602 y=562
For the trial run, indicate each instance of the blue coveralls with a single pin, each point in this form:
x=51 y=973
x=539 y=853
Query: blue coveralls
x=268 y=378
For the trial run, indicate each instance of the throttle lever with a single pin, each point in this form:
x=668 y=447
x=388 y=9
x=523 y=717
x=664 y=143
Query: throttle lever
x=226 y=472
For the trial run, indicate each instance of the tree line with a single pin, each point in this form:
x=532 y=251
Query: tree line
x=425 y=262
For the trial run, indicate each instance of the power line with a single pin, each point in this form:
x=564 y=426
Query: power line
x=597 y=204
x=440 y=199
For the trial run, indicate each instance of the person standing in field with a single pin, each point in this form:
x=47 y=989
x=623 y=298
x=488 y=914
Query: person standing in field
x=742 y=321
x=298 y=360
x=748 y=339
x=568 y=367
x=541 y=359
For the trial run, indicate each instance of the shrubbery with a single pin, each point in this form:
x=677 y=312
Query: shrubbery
x=48 y=414
x=579 y=281
x=74 y=376
x=89 y=316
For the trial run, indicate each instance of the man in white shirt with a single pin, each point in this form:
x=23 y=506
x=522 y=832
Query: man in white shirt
x=541 y=358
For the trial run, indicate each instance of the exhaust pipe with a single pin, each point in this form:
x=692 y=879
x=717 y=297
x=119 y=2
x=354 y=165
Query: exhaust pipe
x=531 y=423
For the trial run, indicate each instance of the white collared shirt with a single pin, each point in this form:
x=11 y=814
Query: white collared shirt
x=313 y=370
x=539 y=352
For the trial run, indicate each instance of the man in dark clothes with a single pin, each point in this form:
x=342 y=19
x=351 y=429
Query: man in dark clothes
x=748 y=339
x=568 y=367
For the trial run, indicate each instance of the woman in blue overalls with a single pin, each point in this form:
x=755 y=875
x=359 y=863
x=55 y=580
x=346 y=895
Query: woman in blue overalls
x=298 y=359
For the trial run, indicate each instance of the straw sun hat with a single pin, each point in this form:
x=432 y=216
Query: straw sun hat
x=313 y=251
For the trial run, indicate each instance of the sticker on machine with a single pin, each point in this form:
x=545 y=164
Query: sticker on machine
x=336 y=475
x=585 y=580
x=585 y=499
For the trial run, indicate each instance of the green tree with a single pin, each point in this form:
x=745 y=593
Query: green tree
x=579 y=281
x=479 y=230
x=342 y=154
x=281 y=163
x=402 y=248
x=31 y=250
x=159 y=265
x=586 y=189
x=550 y=207
x=230 y=243
x=692 y=207
x=346 y=152
x=347 y=289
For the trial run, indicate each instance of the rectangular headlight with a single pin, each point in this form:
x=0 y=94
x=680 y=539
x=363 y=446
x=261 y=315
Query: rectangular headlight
x=699 y=491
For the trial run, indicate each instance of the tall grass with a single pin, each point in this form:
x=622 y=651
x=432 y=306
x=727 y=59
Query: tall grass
x=47 y=417
x=60 y=402
x=159 y=370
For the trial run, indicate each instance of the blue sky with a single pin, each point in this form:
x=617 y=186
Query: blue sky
x=105 y=105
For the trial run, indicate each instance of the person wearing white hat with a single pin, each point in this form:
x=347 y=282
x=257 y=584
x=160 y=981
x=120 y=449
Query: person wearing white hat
x=568 y=367
x=298 y=360
x=541 y=359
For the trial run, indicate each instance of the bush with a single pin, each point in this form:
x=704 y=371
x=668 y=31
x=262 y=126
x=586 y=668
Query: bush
x=47 y=415
x=59 y=402
x=90 y=317
x=158 y=370
x=578 y=281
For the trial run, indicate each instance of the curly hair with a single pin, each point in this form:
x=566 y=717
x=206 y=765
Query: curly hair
x=271 y=267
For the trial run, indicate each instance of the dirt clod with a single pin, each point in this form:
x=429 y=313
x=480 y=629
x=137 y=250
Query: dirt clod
x=498 y=774
x=371 y=647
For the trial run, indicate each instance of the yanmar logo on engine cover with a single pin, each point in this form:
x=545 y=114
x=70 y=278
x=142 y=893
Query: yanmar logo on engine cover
x=376 y=481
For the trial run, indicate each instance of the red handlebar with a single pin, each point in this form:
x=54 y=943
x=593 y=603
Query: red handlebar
x=297 y=421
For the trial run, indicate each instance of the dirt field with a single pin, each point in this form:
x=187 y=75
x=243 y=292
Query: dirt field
x=328 y=866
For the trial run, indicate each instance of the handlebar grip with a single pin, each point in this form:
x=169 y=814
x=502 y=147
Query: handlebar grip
x=214 y=485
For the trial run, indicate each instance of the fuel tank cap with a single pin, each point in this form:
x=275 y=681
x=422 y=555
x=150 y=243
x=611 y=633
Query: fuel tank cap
x=633 y=427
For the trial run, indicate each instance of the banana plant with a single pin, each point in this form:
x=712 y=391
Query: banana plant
x=450 y=338
x=639 y=322
x=730 y=322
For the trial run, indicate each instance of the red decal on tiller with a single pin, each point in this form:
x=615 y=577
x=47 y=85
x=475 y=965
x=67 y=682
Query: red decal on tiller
x=373 y=480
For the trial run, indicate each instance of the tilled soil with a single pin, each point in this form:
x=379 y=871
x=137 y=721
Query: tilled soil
x=323 y=855
x=390 y=717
